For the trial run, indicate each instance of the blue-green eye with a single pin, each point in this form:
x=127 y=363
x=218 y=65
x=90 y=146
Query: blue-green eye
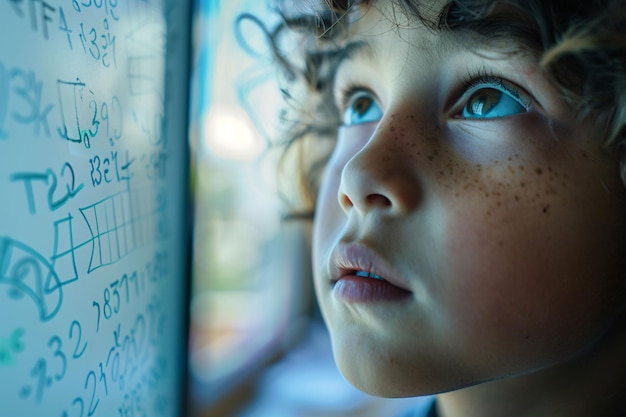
x=361 y=108
x=493 y=101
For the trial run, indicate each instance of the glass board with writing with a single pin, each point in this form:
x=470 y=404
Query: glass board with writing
x=93 y=171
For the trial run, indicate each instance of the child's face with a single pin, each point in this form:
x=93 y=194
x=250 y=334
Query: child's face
x=498 y=215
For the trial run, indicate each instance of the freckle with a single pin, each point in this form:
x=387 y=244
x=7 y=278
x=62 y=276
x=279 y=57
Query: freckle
x=489 y=213
x=499 y=204
x=430 y=157
x=584 y=154
x=539 y=171
x=393 y=129
x=522 y=184
x=456 y=194
x=516 y=198
x=510 y=159
x=521 y=167
x=486 y=194
x=546 y=208
x=441 y=173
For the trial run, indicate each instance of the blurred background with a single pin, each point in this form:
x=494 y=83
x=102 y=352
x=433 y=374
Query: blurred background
x=258 y=346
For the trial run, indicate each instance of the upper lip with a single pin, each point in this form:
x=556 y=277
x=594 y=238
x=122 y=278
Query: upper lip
x=347 y=259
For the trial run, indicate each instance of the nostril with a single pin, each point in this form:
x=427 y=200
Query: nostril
x=378 y=200
x=345 y=201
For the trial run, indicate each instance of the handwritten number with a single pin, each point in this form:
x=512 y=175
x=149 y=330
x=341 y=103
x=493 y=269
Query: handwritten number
x=82 y=405
x=82 y=37
x=103 y=378
x=104 y=115
x=117 y=296
x=106 y=308
x=95 y=304
x=113 y=4
x=94 y=38
x=92 y=405
x=94 y=121
x=77 y=354
x=58 y=353
x=40 y=371
x=96 y=174
x=71 y=190
x=123 y=281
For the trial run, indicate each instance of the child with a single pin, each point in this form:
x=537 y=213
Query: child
x=470 y=216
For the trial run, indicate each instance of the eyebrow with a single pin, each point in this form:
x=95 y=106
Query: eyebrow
x=352 y=50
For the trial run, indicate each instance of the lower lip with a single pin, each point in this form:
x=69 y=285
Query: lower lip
x=354 y=288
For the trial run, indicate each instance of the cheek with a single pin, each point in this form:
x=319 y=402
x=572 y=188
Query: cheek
x=530 y=255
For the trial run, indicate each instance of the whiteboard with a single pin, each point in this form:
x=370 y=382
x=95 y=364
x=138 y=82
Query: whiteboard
x=93 y=191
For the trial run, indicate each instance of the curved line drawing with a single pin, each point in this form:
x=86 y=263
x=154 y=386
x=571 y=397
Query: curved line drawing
x=28 y=273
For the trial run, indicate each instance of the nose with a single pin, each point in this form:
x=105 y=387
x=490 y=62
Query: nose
x=382 y=175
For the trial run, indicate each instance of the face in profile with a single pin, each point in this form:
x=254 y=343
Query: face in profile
x=467 y=227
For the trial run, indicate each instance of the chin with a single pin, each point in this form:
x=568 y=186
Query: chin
x=382 y=374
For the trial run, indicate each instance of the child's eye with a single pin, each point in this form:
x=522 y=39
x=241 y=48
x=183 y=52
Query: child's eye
x=492 y=99
x=361 y=108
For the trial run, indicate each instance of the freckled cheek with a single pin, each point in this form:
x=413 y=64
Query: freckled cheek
x=522 y=253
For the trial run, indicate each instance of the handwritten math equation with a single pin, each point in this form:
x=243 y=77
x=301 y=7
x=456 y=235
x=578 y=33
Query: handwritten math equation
x=86 y=262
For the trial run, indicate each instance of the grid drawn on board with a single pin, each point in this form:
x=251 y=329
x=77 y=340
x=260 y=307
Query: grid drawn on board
x=121 y=223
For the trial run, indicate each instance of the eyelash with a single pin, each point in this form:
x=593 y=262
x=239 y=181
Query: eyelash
x=484 y=77
x=348 y=92
x=470 y=82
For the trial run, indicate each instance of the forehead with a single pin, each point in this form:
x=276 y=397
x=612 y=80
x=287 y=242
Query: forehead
x=382 y=35
x=383 y=30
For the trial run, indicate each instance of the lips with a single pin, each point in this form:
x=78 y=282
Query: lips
x=358 y=274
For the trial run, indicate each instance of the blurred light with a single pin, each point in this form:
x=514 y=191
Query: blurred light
x=229 y=134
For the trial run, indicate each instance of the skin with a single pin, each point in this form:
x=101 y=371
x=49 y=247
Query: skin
x=507 y=232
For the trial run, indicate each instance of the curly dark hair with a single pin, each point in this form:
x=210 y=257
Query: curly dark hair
x=580 y=46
